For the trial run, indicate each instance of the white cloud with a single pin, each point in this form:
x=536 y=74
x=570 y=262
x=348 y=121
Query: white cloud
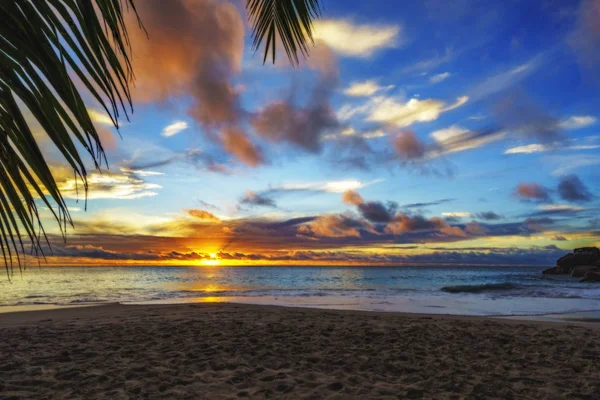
x=440 y=77
x=330 y=186
x=140 y=172
x=577 y=121
x=455 y=138
x=99 y=117
x=403 y=114
x=354 y=40
x=366 y=88
x=504 y=80
x=560 y=207
x=104 y=185
x=527 y=149
x=348 y=111
x=174 y=128
x=458 y=214
x=571 y=162
x=539 y=148
x=377 y=133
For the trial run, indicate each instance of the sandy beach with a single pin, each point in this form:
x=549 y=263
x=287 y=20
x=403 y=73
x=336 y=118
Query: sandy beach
x=222 y=351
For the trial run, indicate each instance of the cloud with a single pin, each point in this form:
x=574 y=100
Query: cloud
x=427 y=204
x=489 y=216
x=571 y=188
x=403 y=114
x=539 y=221
x=517 y=113
x=239 y=145
x=203 y=215
x=403 y=223
x=352 y=197
x=540 y=148
x=568 y=163
x=174 y=128
x=103 y=185
x=430 y=63
x=408 y=146
x=585 y=40
x=455 y=139
x=528 y=149
x=439 y=77
x=366 y=88
x=209 y=38
x=332 y=226
x=100 y=117
x=532 y=191
x=354 y=40
x=577 y=121
x=457 y=215
x=303 y=127
x=254 y=199
x=196 y=157
x=504 y=80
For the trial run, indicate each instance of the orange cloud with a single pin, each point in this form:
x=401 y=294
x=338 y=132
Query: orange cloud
x=352 y=197
x=203 y=215
x=195 y=49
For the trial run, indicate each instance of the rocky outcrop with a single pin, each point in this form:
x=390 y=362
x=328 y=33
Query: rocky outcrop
x=583 y=262
x=581 y=270
x=592 y=276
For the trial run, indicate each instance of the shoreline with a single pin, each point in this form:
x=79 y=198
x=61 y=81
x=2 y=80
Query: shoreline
x=223 y=351
x=590 y=319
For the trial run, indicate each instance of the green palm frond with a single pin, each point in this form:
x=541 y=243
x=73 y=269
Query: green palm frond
x=291 y=20
x=44 y=45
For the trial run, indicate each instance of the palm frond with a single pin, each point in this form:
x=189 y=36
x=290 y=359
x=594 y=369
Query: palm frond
x=291 y=20
x=43 y=45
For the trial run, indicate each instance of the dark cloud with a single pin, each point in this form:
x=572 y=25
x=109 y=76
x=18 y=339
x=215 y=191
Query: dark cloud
x=585 y=40
x=539 y=221
x=303 y=126
x=196 y=157
x=94 y=252
x=489 y=216
x=559 y=238
x=408 y=146
x=254 y=199
x=571 y=188
x=373 y=211
x=210 y=206
x=519 y=114
x=533 y=192
x=429 y=204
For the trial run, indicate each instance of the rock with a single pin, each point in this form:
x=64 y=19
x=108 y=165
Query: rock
x=591 y=276
x=581 y=270
x=594 y=250
x=581 y=256
x=552 y=271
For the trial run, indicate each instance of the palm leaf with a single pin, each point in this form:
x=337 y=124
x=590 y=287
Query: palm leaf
x=291 y=20
x=43 y=45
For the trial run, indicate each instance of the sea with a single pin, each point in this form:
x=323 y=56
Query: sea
x=456 y=290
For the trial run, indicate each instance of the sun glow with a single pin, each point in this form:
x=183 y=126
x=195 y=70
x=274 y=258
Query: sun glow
x=213 y=260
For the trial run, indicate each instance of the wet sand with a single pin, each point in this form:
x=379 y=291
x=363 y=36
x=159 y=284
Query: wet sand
x=216 y=351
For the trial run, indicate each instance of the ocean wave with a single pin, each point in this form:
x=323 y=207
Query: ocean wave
x=487 y=287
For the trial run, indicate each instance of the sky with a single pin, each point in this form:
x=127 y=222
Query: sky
x=436 y=132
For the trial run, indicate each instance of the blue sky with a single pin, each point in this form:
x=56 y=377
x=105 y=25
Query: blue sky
x=487 y=112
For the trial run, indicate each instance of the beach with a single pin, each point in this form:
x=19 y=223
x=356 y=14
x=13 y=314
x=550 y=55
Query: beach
x=223 y=351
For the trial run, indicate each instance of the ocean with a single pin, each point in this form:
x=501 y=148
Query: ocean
x=439 y=290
